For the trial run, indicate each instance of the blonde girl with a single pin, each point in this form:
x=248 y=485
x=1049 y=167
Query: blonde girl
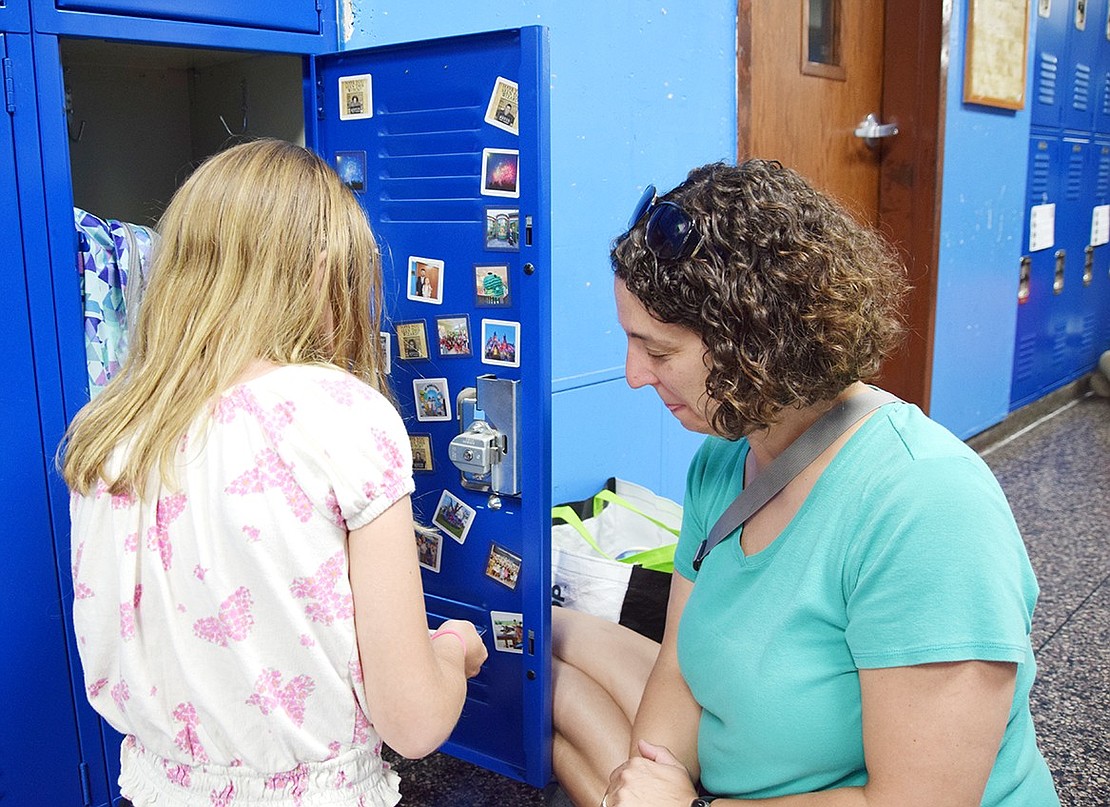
x=248 y=604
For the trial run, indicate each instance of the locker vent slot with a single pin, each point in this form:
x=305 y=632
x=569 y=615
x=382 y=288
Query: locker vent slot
x=1075 y=176
x=1038 y=182
x=1060 y=352
x=1046 y=79
x=1081 y=88
x=430 y=162
x=1023 y=357
x=1087 y=338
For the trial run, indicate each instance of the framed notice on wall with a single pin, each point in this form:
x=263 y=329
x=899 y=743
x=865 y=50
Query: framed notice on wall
x=997 y=38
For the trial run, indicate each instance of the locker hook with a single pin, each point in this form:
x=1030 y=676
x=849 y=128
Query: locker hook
x=69 y=114
x=244 y=109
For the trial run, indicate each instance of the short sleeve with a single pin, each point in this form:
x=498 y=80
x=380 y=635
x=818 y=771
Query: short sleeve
x=360 y=445
x=939 y=571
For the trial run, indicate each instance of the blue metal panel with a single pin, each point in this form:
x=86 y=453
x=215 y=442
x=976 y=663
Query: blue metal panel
x=1086 y=29
x=40 y=749
x=1036 y=337
x=1051 y=74
x=196 y=24
x=14 y=16
x=1096 y=306
x=1078 y=304
x=423 y=189
x=1102 y=72
x=299 y=16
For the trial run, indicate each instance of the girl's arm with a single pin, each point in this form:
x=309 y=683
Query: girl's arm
x=415 y=685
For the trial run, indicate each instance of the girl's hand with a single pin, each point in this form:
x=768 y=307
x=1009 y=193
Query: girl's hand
x=476 y=652
x=653 y=779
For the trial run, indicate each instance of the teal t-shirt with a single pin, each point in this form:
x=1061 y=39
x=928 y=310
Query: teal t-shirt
x=905 y=552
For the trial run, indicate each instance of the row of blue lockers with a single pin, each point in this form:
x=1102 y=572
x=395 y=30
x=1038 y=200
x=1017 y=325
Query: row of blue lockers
x=1063 y=289
x=1071 y=71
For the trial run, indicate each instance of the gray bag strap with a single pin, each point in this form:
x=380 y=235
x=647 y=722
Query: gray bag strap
x=791 y=462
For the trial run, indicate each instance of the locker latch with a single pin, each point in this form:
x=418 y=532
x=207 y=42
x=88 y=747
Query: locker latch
x=1089 y=265
x=1024 y=275
x=487 y=448
x=1058 y=278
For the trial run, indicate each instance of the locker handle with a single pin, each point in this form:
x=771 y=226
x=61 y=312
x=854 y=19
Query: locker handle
x=1089 y=265
x=1058 y=279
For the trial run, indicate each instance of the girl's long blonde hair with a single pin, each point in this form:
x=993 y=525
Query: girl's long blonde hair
x=265 y=255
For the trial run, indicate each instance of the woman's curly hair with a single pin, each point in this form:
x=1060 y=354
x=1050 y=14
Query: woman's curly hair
x=792 y=297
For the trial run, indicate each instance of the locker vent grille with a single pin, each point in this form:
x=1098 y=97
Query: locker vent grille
x=1075 y=176
x=1023 y=356
x=1038 y=182
x=431 y=161
x=1106 y=93
x=1060 y=352
x=1102 y=186
x=1046 y=79
x=1087 y=338
x=1081 y=88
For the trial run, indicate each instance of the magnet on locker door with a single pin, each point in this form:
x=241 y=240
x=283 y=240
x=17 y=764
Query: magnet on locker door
x=431 y=397
x=454 y=516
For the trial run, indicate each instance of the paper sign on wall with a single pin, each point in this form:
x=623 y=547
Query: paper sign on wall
x=1042 y=227
x=1100 y=225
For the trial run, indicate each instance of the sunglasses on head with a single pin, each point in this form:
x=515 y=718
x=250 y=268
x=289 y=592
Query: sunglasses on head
x=670 y=233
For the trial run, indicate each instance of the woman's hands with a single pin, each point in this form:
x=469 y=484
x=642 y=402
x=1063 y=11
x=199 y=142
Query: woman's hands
x=653 y=779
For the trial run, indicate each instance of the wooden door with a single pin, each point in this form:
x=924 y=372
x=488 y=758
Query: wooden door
x=809 y=72
x=816 y=73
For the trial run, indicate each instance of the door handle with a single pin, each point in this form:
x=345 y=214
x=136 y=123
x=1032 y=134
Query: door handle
x=870 y=130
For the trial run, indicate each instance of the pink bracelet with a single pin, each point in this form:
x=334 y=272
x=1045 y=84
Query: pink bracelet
x=450 y=632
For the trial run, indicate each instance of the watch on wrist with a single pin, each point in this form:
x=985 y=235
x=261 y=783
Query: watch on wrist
x=701 y=801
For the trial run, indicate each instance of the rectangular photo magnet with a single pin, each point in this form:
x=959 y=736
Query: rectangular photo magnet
x=425 y=283
x=356 y=97
x=429 y=549
x=454 y=335
x=508 y=631
x=501 y=342
x=454 y=516
x=502 y=110
x=433 y=402
x=503 y=229
x=501 y=172
x=503 y=566
x=412 y=340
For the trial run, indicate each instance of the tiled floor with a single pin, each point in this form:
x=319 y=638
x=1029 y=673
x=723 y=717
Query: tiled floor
x=1053 y=460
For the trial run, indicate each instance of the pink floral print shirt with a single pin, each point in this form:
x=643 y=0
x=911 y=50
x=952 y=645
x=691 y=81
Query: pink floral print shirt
x=215 y=620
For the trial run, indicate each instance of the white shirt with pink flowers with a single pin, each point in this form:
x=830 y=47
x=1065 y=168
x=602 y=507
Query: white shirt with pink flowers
x=214 y=618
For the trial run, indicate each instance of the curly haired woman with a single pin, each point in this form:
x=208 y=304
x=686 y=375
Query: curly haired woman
x=863 y=638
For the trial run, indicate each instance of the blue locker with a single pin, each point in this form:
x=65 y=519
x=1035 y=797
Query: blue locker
x=427 y=149
x=14 y=17
x=301 y=18
x=1102 y=74
x=1041 y=281
x=431 y=155
x=1074 y=315
x=306 y=26
x=1097 y=291
x=1086 y=33
x=43 y=760
x=1050 y=63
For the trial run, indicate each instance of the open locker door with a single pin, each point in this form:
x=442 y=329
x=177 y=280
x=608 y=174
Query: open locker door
x=446 y=143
